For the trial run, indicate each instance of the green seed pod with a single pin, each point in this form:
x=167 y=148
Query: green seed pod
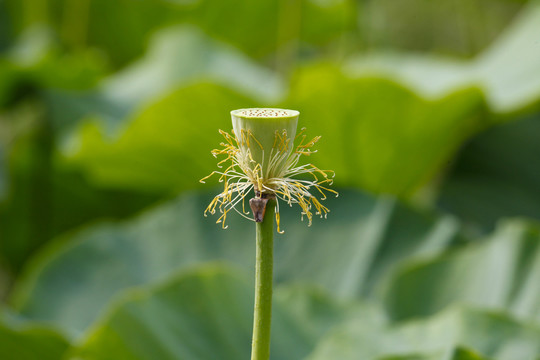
x=265 y=137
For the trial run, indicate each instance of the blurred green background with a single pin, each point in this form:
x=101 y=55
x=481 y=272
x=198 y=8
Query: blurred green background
x=429 y=113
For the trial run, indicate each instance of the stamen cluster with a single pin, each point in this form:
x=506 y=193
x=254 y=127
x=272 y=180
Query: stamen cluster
x=281 y=178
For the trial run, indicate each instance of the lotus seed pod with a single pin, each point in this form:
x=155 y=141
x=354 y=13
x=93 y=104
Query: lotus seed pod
x=265 y=136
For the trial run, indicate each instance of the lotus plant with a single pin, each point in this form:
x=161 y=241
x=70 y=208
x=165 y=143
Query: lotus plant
x=260 y=158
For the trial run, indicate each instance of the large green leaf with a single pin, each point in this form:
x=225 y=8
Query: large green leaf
x=207 y=314
x=374 y=129
x=500 y=272
x=494 y=175
x=183 y=54
x=166 y=146
x=493 y=335
x=30 y=342
x=508 y=88
x=349 y=253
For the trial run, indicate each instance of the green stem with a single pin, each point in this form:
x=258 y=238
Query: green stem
x=262 y=317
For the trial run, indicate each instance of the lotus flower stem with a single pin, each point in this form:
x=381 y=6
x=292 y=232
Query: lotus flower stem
x=264 y=263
